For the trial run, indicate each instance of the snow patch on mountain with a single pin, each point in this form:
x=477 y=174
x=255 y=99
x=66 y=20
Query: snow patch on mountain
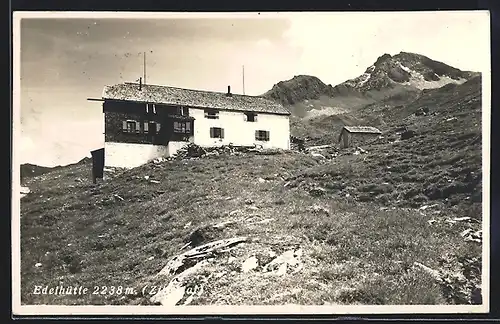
x=364 y=78
x=325 y=111
x=417 y=80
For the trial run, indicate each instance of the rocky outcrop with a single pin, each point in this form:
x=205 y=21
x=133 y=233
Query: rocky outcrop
x=299 y=88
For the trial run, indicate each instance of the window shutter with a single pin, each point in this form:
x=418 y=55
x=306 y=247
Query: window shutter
x=255 y=117
x=147 y=108
x=154 y=109
x=137 y=127
x=158 y=126
x=256 y=134
x=212 y=132
x=222 y=133
x=124 y=125
x=268 y=137
x=146 y=126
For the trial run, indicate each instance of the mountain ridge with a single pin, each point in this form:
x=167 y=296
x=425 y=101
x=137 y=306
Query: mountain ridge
x=390 y=75
x=33 y=170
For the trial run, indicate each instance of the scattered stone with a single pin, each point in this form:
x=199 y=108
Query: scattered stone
x=462 y=219
x=280 y=265
x=317 y=191
x=319 y=209
x=318 y=155
x=24 y=191
x=154 y=181
x=470 y=236
x=146 y=177
x=186 y=245
x=249 y=201
x=159 y=160
x=282 y=269
x=466 y=232
x=361 y=150
x=191 y=257
x=224 y=224
x=250 y=264
x=38 y=265
x=261 y=180
x=176 y=288
x=427 y=206
x=318 y=147
x=297 y=143
x=193 y=151
x=407 y=134
x=187 y=225
x=422 y=111
x=118 y=197
x=151 y=258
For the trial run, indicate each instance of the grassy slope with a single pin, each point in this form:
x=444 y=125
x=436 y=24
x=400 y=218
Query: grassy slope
x=360 y=251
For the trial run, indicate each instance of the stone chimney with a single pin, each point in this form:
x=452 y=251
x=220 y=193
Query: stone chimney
x=229 y=94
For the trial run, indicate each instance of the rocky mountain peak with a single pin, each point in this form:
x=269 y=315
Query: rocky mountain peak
x=407 y=69
x=299 y=88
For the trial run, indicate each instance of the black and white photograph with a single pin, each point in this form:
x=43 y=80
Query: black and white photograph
x=244 y=163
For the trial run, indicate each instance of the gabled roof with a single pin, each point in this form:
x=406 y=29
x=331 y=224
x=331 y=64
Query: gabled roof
x=191 y=98
x=362 y=129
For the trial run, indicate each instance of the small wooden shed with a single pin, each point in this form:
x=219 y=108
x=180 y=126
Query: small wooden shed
x=97 y=164
x=350 y=135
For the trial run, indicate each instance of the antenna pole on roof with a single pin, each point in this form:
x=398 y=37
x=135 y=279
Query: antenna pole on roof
x=144 y=67
x=243 y=79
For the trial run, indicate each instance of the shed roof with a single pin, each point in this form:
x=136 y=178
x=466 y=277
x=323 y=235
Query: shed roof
x=192 y=98
x=362 y=129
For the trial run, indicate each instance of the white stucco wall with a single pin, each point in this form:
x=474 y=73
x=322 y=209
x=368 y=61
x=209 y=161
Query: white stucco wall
x=125 y=155
x=238 y=131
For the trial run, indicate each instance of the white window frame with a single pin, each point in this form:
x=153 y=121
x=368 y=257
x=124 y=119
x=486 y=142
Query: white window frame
x=212 y=132
x=211 y=114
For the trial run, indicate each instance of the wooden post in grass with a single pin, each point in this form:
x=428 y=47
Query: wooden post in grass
x=97 y=164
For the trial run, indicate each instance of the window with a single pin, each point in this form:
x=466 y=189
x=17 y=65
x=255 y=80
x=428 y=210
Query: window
x=131 y=126
x=151 y=108
x=216 y=132
x=211 y=114
x=262 y=135
x=250 y=117
x=183 y=127
x=183 y=111
x=146 y=126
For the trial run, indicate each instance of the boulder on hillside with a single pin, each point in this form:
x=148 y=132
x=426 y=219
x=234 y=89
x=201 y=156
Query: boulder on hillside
x=407 y=134
x=422 y=111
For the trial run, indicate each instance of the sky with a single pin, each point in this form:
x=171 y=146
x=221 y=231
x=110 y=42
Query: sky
x=63 y=61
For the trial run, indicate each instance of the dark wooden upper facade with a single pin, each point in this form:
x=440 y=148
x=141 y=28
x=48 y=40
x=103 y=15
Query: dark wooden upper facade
x=143 y=123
